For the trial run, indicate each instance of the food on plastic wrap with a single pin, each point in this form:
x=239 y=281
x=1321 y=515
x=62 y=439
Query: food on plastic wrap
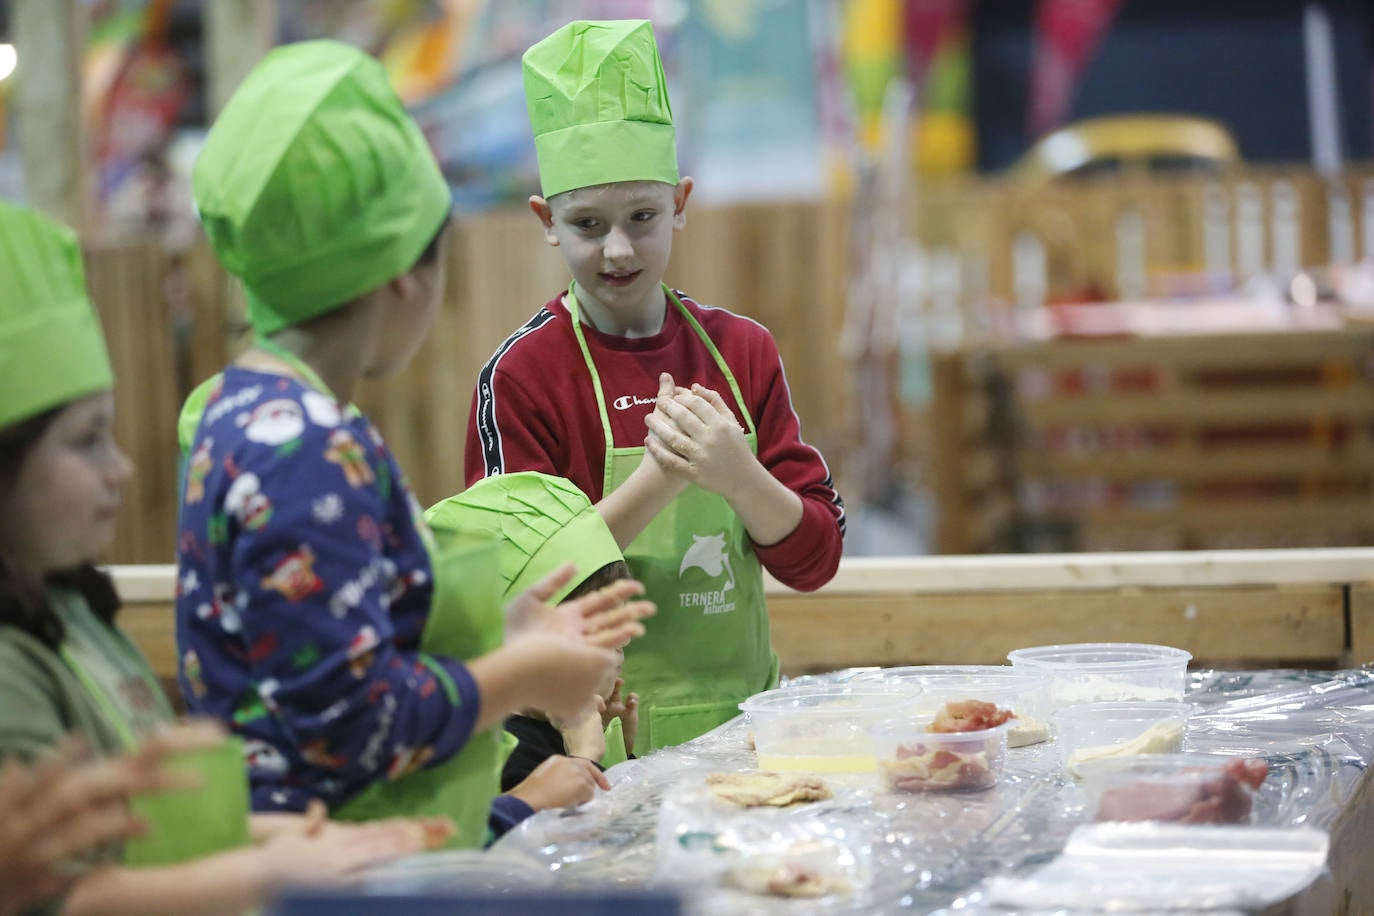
x=1197 y=795
x=786 y=880
x=704 y=841
x=968 y=716
x=764 y=789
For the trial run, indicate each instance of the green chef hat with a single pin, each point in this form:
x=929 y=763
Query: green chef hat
x=314 y=185
x=51 y=347
x=541 y=521
x=598 y=103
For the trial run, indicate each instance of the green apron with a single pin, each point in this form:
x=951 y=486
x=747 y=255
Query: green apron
x=615 y=745
x=182 y=824
x=465 y=620
x=708 y=646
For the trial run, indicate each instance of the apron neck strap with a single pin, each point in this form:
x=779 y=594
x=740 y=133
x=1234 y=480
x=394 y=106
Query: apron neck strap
x=696 y=326
x=102 y=699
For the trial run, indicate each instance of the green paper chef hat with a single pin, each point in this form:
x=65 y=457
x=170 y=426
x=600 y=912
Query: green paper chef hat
x=52 y=349
x=314 y=185
x=598 y=103
x=541 y=521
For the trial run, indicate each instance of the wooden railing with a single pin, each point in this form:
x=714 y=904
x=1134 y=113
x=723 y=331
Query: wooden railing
x=1255 y=608
x=169 y=318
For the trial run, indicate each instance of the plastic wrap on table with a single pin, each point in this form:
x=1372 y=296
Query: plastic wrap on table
x=1135 y=868
x=1314 y=729
x=804 y=851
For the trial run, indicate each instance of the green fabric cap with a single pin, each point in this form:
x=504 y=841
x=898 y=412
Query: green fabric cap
x=542 y=522
x=52 y=349
x=314 y=185
x=598 y=103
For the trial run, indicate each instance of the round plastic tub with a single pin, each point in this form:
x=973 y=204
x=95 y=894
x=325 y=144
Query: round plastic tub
x=1173 y=788
x=1100 y=731
x=1106 y=671
x=823 y=730
x=911 y=759
x=933 y=686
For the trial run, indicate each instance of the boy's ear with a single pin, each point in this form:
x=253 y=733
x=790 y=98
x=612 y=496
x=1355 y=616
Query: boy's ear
x=402 y=286
x=540 y=208
x=680 y=195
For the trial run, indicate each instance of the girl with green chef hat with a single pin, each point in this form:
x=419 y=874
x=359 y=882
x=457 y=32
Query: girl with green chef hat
x=66 y=669
x=315 y=616
x=673 y=417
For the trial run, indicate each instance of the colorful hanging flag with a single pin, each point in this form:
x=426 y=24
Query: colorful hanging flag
x=1067 y=33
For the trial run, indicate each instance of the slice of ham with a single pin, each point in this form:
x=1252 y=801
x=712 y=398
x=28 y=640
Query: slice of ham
x=969 y=716
x=1224 y=797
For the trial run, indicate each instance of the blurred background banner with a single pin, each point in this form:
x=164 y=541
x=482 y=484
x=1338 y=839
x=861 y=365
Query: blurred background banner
x=1067 y=34
x=747 y=80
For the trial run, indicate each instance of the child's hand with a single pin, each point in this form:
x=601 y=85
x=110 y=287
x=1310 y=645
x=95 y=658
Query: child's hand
x=626 y=709
x=606 y=618
x=563 y=675
x=693 y=435
x=560 y=782
x=586 y=737
x=342 y=849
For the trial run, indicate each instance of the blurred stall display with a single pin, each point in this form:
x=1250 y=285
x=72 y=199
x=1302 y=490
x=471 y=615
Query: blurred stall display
x=750 y=124
x=1227 y=424
x=1139 y=143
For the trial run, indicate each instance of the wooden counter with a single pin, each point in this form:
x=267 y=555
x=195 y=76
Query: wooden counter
x=1245 y=608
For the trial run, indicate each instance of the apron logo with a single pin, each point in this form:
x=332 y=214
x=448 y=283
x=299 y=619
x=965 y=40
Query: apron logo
x=711 y=555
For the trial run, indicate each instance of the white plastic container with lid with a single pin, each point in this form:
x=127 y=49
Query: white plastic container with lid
x=1106 y=672
x=824 y=730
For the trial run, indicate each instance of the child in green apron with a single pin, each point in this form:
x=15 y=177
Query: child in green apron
x=541 y=522
x=362 y=665
x=722 y=487
x=66 y=669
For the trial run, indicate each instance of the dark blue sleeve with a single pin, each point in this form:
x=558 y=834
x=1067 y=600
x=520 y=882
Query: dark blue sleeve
x=315 y=590
x=506 y=812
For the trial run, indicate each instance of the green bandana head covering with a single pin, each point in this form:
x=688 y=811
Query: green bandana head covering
x=51 y=347
x=598 y=103
x=541 y=521
x=314 y=185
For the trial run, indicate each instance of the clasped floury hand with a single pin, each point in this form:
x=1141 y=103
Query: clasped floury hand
x=694 y=435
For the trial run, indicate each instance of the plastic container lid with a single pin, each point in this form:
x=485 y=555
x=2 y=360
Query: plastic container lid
x=1100 y=657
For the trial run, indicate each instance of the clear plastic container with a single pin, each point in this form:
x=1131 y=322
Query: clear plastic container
x=1106 y=672
x=824 y=730
x=911 y=759
x=1101 y=731
x=1173 y=788
x=933 y=686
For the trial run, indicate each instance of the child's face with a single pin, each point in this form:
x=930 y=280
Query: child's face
x=413 y=301
x=65 y=501
x=608 y=685
x=616 y=239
